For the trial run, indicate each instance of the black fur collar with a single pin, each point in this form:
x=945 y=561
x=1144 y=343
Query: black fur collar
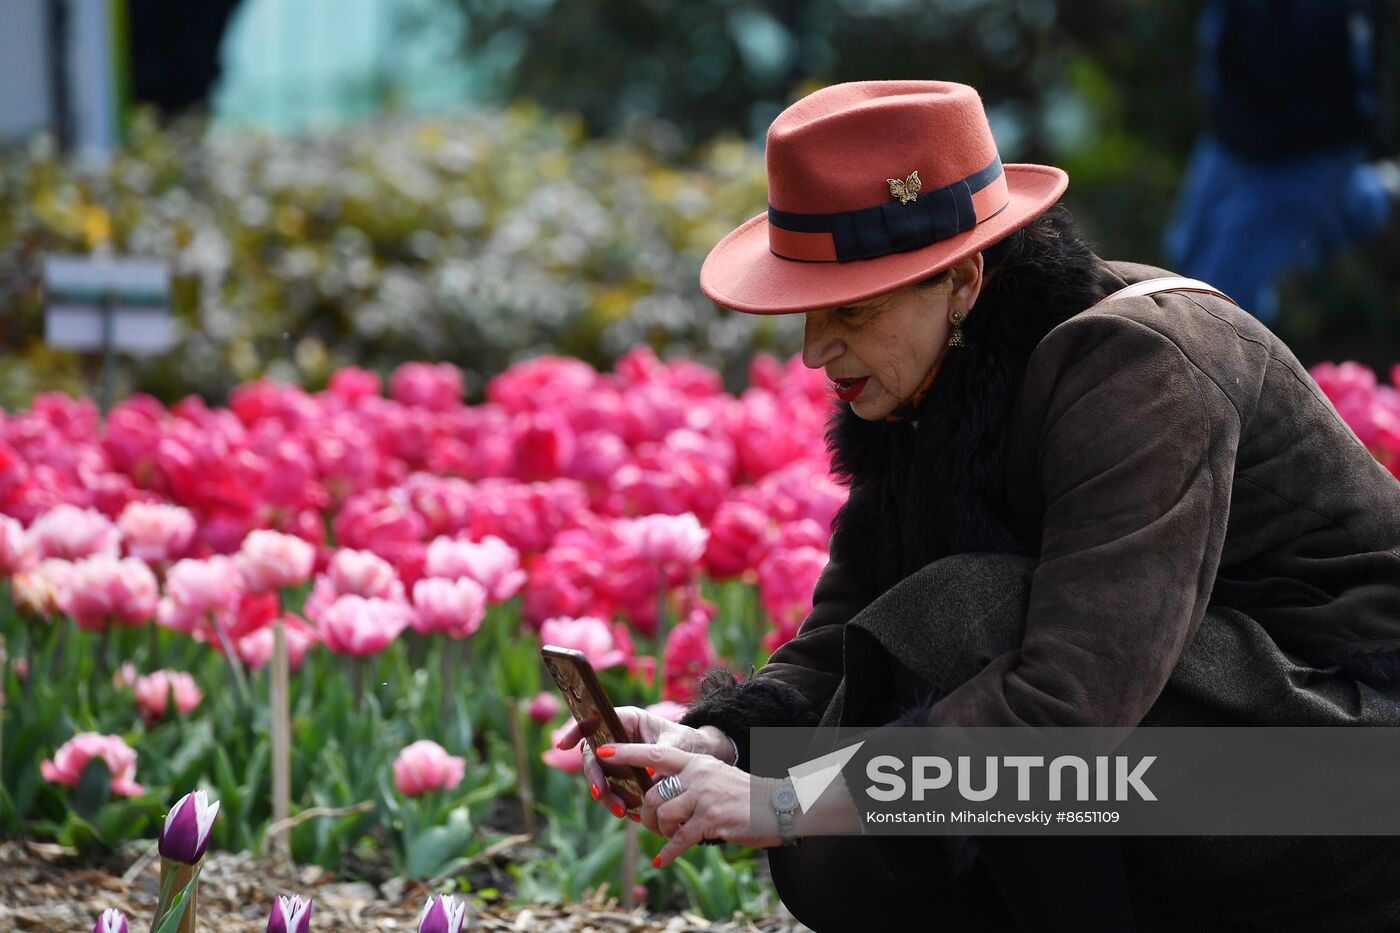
x=934 y=486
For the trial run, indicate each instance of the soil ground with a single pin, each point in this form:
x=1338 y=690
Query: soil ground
x=47 y=887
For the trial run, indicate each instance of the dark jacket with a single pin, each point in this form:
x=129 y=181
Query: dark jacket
x=1154 y=455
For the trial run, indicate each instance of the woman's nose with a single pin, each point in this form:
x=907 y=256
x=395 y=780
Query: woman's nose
x=818 y=346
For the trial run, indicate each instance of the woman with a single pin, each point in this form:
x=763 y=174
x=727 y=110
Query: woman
x=1063 y=510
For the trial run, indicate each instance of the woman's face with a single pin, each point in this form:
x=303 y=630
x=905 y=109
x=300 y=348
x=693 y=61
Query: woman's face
x=890 y=341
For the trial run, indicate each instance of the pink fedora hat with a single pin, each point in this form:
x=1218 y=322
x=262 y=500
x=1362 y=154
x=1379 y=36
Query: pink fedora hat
x=872 y=186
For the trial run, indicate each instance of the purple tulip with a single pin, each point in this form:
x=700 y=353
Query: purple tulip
x=442 y=915
x=111 y=921
x=291 y=915
x=185 y=835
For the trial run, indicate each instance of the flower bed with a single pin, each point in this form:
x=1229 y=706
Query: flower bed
x=412 y=552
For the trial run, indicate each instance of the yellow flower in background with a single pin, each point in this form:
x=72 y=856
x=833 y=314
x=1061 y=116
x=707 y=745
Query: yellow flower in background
x=431 y=136
x=613 y=304
x=291 y=221
x=96 y=224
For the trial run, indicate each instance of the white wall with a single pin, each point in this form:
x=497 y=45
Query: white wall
x=24 y=79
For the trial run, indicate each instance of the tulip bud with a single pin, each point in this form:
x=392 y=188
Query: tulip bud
x=291 y=915
x=185 y=834
x=442 y=915
x=544 y=707
x=111 y=921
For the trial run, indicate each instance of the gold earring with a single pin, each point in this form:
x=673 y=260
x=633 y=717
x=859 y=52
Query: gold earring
x=957 y=339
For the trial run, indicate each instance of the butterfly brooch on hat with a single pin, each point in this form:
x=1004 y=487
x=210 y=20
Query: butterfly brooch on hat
x=906 y=190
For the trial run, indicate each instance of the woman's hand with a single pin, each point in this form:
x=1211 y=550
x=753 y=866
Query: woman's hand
x=714 y=801
x=645 y=728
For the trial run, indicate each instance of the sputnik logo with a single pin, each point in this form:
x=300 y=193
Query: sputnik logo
x=811 y=778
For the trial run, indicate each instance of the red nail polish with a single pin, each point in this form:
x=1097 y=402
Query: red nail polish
x=618 y=811
x=656 y=862
x=636 y=817
x=651 y=772
x=593 y=788
x=606 y=751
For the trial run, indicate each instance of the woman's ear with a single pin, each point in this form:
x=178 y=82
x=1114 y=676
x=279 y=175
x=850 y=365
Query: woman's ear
x=966 y=279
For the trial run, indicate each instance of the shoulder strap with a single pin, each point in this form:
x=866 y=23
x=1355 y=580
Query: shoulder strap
x=1169 y=283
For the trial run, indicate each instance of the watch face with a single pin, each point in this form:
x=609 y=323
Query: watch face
x=785 y=799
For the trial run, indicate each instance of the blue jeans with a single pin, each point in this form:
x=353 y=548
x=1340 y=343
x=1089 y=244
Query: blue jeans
x=1241 y=225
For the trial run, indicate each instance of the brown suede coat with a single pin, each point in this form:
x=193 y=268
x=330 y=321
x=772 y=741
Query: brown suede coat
x=1172 y=453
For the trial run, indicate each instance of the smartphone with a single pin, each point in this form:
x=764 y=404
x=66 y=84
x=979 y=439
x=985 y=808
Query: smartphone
x=588 y=701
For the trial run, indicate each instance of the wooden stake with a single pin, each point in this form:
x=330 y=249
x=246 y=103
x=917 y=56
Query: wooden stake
x=524 y=787
x=281 y=739
x=172 y=886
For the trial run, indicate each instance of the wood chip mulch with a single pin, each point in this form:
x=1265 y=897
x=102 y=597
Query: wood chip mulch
x=50 y=888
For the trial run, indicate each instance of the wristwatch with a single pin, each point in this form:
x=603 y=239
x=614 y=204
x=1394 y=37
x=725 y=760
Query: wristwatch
x=784 y=803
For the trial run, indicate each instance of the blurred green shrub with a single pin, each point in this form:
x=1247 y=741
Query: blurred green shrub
x=480 y=238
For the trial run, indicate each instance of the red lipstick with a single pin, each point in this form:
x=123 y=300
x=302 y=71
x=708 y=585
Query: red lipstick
x=847 y=390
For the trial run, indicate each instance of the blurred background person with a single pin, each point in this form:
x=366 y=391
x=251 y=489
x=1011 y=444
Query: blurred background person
x=1281 y=178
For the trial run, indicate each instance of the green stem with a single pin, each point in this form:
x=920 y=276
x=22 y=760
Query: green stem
x=239 y=678
x=167 y=882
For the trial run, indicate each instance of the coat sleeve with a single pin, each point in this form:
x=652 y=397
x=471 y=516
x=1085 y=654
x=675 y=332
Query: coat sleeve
x=801 y=676
x=1136 y=459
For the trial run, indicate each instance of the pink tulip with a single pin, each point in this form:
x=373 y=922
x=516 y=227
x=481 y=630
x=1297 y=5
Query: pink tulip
x=664 y=539
x=566 y=580
x=125 y=676
x=200 y=592
x=737 y=533
x=424 y=385
x=569 y=760
x=491 y=562
x=103 y=590
x=16 y=553
x=39 y=587
x=543 y=444
x=786 y=580
x=351 y=384
x=544 y=707
x=689 y=655
x=357 y=626
x=527 y=516
x=537 y=382
x=273 y=561
x=378 y=520
x=455 y=608
x=597 y=456
x=71 y=533
x=590 y=634
x=357 y=573
x=425 y=766
x=72 y=757
x=153 y=693
x=443 y=502
x=256 y=648
x=156 y=532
